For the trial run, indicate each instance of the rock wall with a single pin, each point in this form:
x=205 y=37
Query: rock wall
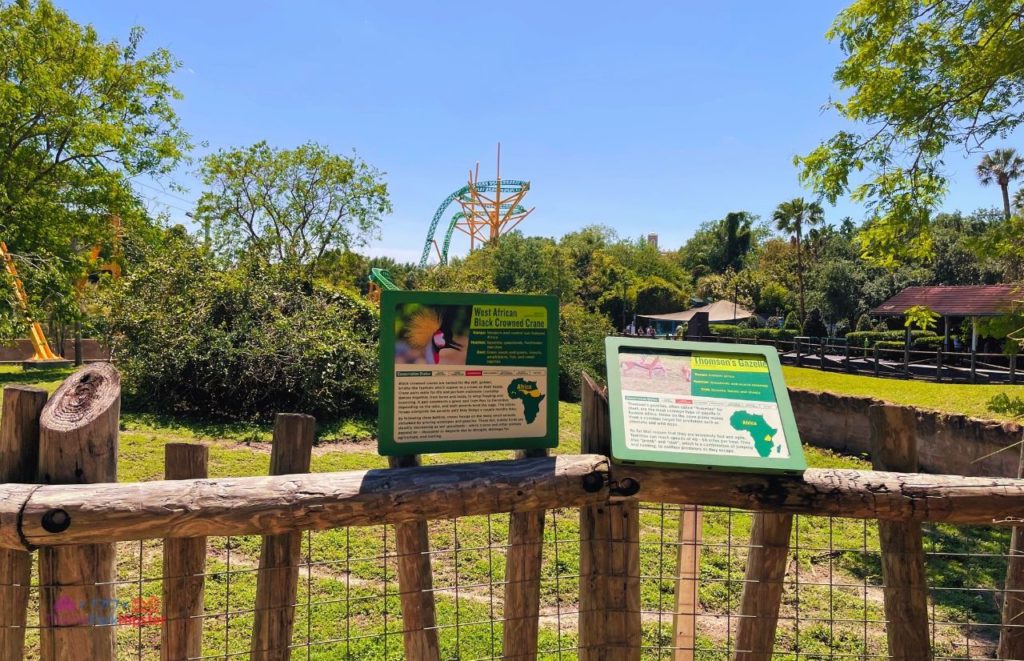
x=949 y=444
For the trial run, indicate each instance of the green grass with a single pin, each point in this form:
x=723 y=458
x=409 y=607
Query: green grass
x=960 y=398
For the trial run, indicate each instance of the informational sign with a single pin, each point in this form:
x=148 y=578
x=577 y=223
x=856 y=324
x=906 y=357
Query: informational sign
x=701 y=405
x=462 y=372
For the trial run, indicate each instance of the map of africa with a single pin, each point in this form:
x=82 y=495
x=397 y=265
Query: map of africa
x=762 y=433
x=529 y=394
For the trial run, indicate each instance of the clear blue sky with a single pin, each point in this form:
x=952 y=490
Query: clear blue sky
x=647 y=119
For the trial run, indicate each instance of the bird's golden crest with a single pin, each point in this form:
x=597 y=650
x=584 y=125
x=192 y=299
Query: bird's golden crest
x=421 y=328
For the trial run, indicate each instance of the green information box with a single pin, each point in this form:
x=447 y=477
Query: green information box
x=465 y=372
x=701 y=405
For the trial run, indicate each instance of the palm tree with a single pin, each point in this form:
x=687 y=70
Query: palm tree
x=1018 y=200
x=791 y=217
x=1001 y=166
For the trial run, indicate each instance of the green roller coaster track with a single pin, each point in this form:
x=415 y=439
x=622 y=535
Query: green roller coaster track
x=383 y=279
x=490 y=186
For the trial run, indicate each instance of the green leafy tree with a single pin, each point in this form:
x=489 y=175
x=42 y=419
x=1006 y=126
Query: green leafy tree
x=1001 y=167
x=582 y=335
x=792 y=323
x=814 y=326
x=290 y=205
x=920 y=317
x=775 y=298
x=919 y=77
x=792 y=217
x=1018 y=200
x=79 y=117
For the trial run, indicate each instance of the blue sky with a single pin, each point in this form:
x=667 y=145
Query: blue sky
x=644 y=118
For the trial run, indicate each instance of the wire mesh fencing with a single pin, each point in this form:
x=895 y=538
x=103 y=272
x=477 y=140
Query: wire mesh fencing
x=692 y=573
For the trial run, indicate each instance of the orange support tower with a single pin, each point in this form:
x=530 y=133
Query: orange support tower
x=41 y=347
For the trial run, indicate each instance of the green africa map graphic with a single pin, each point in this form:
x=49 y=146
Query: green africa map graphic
x=529 y=394
x=762 y=433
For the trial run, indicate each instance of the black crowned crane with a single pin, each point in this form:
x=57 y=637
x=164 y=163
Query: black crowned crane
x=430 y=331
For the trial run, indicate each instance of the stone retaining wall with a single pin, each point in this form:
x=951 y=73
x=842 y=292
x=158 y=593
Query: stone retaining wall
x=949 y=444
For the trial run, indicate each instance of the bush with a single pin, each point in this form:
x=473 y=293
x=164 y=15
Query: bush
x=918 y=344
x=793 y=323
x=814 y=326
x=241 y=343
x=728 y=330
x=864 y=323
x=581 y=348
x=842 y=328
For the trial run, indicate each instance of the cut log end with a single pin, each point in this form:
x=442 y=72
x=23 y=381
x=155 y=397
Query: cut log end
x=83 y=397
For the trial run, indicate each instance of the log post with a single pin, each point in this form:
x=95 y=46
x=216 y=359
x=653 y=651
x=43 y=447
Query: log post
x=938 y=365
x=278 y=579
x=974 y=364
x=181 y=635
x=522 y=578
x=691 y=523
x=19 y=457
x=894 y=448
x=846 y=357
x=876 y=358
x=610 y=625
x=767 y=559
x=1011 y=636
x=78 y=432
x=415 y=582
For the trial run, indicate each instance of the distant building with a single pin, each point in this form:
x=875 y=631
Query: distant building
x=652 y=239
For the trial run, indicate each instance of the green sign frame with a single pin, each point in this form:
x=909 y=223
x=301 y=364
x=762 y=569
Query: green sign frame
x=485 y=323
x=794 y=463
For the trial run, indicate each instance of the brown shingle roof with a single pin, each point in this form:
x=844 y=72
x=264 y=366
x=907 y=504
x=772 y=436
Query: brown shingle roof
x=959 y=301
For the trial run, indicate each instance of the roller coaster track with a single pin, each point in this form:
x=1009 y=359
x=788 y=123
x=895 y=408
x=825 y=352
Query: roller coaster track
x=490 y=186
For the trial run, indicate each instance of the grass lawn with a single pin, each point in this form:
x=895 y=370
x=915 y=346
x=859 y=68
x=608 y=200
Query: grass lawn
x=949 y=397
x=347 y=601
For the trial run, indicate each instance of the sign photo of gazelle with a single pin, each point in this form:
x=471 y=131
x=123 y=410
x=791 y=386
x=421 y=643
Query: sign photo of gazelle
x=701 y=404
x=463 y=372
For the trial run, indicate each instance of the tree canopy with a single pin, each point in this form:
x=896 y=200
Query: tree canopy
x=79 y=117
x=290 y=205
x=922 y=77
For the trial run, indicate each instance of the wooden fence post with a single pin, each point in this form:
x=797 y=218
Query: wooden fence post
x=278 y=579
x=522 y=578
x=974 y=363
x=1011 y=636
x=767 y=560
x=416 y=582
x=19 y=458
x=796 y=346
x=78 y=432
x=894 y=448
x=691 y=524
x=938 y=366
x=846 y=357
x=821 y=354
x=609 y=621
x=181 y=635
x=876 y=359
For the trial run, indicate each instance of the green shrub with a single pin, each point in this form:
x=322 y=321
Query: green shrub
x=864 y=323
x=814 y=326
x=581 y=348
x=728 y=330
x=793 y=323
x=241 y=343
x=842 y=328
x=928 y=343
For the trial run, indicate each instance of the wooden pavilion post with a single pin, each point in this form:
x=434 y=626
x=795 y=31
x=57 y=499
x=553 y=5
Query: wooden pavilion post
x=19 y=458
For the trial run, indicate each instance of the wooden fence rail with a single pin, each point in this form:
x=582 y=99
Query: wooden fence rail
x=74 y=526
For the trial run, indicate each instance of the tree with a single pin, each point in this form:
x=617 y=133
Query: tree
x=290 y=205
x=1001 y=167
x=78 y=118
x=920 y=77
x=791 y=217
x=735 y=239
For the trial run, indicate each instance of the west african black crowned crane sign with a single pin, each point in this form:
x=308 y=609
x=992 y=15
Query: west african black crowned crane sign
x=462 y=372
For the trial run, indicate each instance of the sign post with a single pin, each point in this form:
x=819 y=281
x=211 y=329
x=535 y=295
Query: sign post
x=464 y=372
x=701 y=405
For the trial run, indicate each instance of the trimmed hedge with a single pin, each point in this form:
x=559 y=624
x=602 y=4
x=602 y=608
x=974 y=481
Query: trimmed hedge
x=919 y=344
x=859 y=338
x=727 y=330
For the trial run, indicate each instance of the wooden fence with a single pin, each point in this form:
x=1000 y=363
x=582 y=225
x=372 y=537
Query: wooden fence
x=967 y=366
x=60 y=503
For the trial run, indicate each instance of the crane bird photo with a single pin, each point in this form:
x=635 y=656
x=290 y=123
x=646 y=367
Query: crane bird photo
x=432 y=336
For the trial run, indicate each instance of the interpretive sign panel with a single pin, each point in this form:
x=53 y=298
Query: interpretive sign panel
x=462 y=372
x=702 y=405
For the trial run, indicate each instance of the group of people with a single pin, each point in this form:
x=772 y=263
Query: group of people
x=640 y=331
